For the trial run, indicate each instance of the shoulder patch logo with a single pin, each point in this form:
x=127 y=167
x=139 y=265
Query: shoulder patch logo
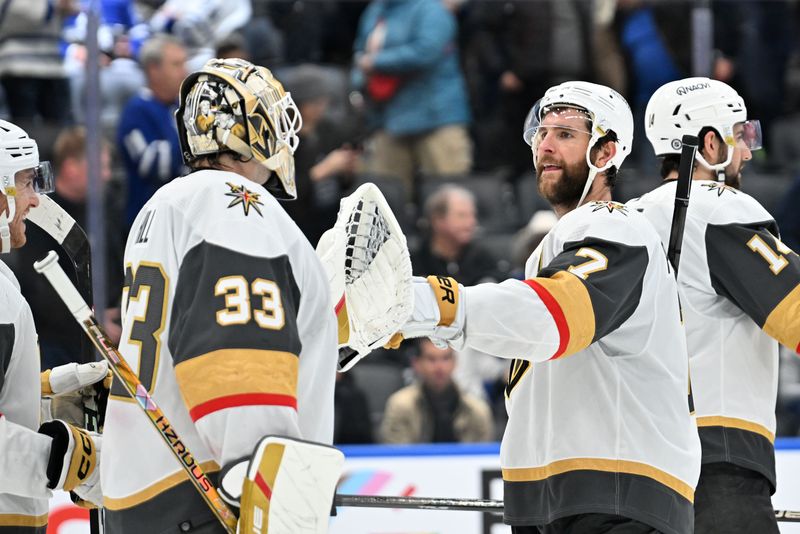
x=719 y=188
x=245 y=197
x=609 y=205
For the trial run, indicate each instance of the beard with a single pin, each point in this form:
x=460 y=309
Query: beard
x=734 y=179
x=566 y=190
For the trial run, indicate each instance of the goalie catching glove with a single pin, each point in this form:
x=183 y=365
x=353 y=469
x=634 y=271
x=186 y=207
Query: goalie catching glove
x=438 y=313
x=286 y=487
x=73 y=464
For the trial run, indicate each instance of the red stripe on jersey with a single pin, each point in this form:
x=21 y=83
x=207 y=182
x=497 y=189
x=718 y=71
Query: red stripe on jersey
x=339 y=305
x=262 y=484
x=558 y=315
x=245 y=399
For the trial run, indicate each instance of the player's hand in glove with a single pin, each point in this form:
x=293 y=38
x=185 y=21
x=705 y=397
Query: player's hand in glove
x=438 y=314
x=72 y=377
x=74 y=460
x=75 y=388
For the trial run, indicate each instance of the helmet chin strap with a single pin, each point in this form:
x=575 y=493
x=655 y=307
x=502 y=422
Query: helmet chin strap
x=5 y=218
x=593 y=171
x=718 y=168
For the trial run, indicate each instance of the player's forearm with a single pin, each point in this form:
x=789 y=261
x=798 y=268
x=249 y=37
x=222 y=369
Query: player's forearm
x=509 y=320
x=23 y=464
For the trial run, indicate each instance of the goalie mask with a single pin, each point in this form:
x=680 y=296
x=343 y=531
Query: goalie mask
x=687 y=106
x=19 y=153
x=604 y=110
x=232 y=105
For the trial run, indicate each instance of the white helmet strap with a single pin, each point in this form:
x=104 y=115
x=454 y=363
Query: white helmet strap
x=593 y=169
x=718 y=168
x=9 y=190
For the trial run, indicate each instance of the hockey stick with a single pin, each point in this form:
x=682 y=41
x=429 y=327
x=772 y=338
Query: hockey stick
x=682 y=191
x=50 y=268
x=463 y=505
x=59 y=225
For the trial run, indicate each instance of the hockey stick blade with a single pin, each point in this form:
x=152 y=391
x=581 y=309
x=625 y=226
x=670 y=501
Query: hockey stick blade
x=50 y=268
x=463 y=505
x=58 y=224
x=682 y=191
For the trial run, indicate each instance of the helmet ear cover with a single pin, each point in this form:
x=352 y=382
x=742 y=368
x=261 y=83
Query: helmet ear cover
x=233 y=106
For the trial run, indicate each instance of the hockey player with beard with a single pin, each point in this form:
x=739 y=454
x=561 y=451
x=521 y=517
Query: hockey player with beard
x=599 y=436
x=226 y=315
x=59 y=455
x=740 y=294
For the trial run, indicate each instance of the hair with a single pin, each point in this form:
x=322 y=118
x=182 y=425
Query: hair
x=672 y=162
x=152 y=51
x=231 y=43
x=437 y=205
x=611 y=172
x=212 y=160
x=70 y=143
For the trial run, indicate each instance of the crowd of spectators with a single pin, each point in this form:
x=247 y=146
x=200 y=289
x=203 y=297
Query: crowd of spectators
x=413 y=94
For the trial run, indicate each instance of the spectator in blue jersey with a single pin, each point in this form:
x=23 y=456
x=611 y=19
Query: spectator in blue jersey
x=147 y=138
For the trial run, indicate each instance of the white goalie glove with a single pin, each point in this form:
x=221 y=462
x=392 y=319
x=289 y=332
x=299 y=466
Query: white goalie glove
x=286 y=487
x=366 y=258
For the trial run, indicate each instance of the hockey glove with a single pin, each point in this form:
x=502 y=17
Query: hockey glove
x=74 y=460
x=72 y=377
x=438 y=312
x=286 y=487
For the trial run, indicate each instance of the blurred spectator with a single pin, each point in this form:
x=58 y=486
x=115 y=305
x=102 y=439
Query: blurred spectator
x=232 y=46
x=60 y=336
x=516 y=50
x=434 y=410
x=31 y=66
x=200 y=26
x=406 y=64
x=351 y=416
x=147 y=136
x=450 y=247
x=324 y=163
x=788 y=217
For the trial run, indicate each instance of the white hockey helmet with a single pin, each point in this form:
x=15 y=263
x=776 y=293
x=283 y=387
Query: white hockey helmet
x=689 y=105
x=233 y=105
x=18 y=152
x=606 y=110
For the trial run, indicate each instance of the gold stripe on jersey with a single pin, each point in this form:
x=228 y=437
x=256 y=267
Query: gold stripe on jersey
x=733 y=422
x=20 y=520
x=121 y=503
x=533 y=474
x=572 y=298
x=236 y=372
x=783 y=323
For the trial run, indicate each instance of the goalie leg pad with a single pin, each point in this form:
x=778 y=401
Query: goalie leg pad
x=288 y=488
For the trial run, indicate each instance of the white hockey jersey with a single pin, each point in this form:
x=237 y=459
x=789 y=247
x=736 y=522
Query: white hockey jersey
x=740 y=291
x=228 y=321
x=597 y=394
x=23 y=451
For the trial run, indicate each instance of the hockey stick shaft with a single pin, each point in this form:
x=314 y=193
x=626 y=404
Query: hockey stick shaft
x=682 y=191
x=463 y=505
x=58 y=224
x=50 y=268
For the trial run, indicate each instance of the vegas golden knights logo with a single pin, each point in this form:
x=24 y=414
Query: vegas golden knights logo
x=516 y=371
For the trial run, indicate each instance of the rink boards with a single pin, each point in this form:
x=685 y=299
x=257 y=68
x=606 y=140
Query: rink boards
x=438 y=471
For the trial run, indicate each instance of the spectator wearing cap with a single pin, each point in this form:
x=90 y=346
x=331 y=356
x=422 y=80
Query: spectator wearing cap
x=324 y=161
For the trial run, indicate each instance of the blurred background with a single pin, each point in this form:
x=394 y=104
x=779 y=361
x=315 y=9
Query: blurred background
x=426 y=98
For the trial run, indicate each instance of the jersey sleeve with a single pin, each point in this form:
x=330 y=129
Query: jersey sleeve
x=751 y=267
x=25 y=452
x=586 y=292
x=235 y=345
